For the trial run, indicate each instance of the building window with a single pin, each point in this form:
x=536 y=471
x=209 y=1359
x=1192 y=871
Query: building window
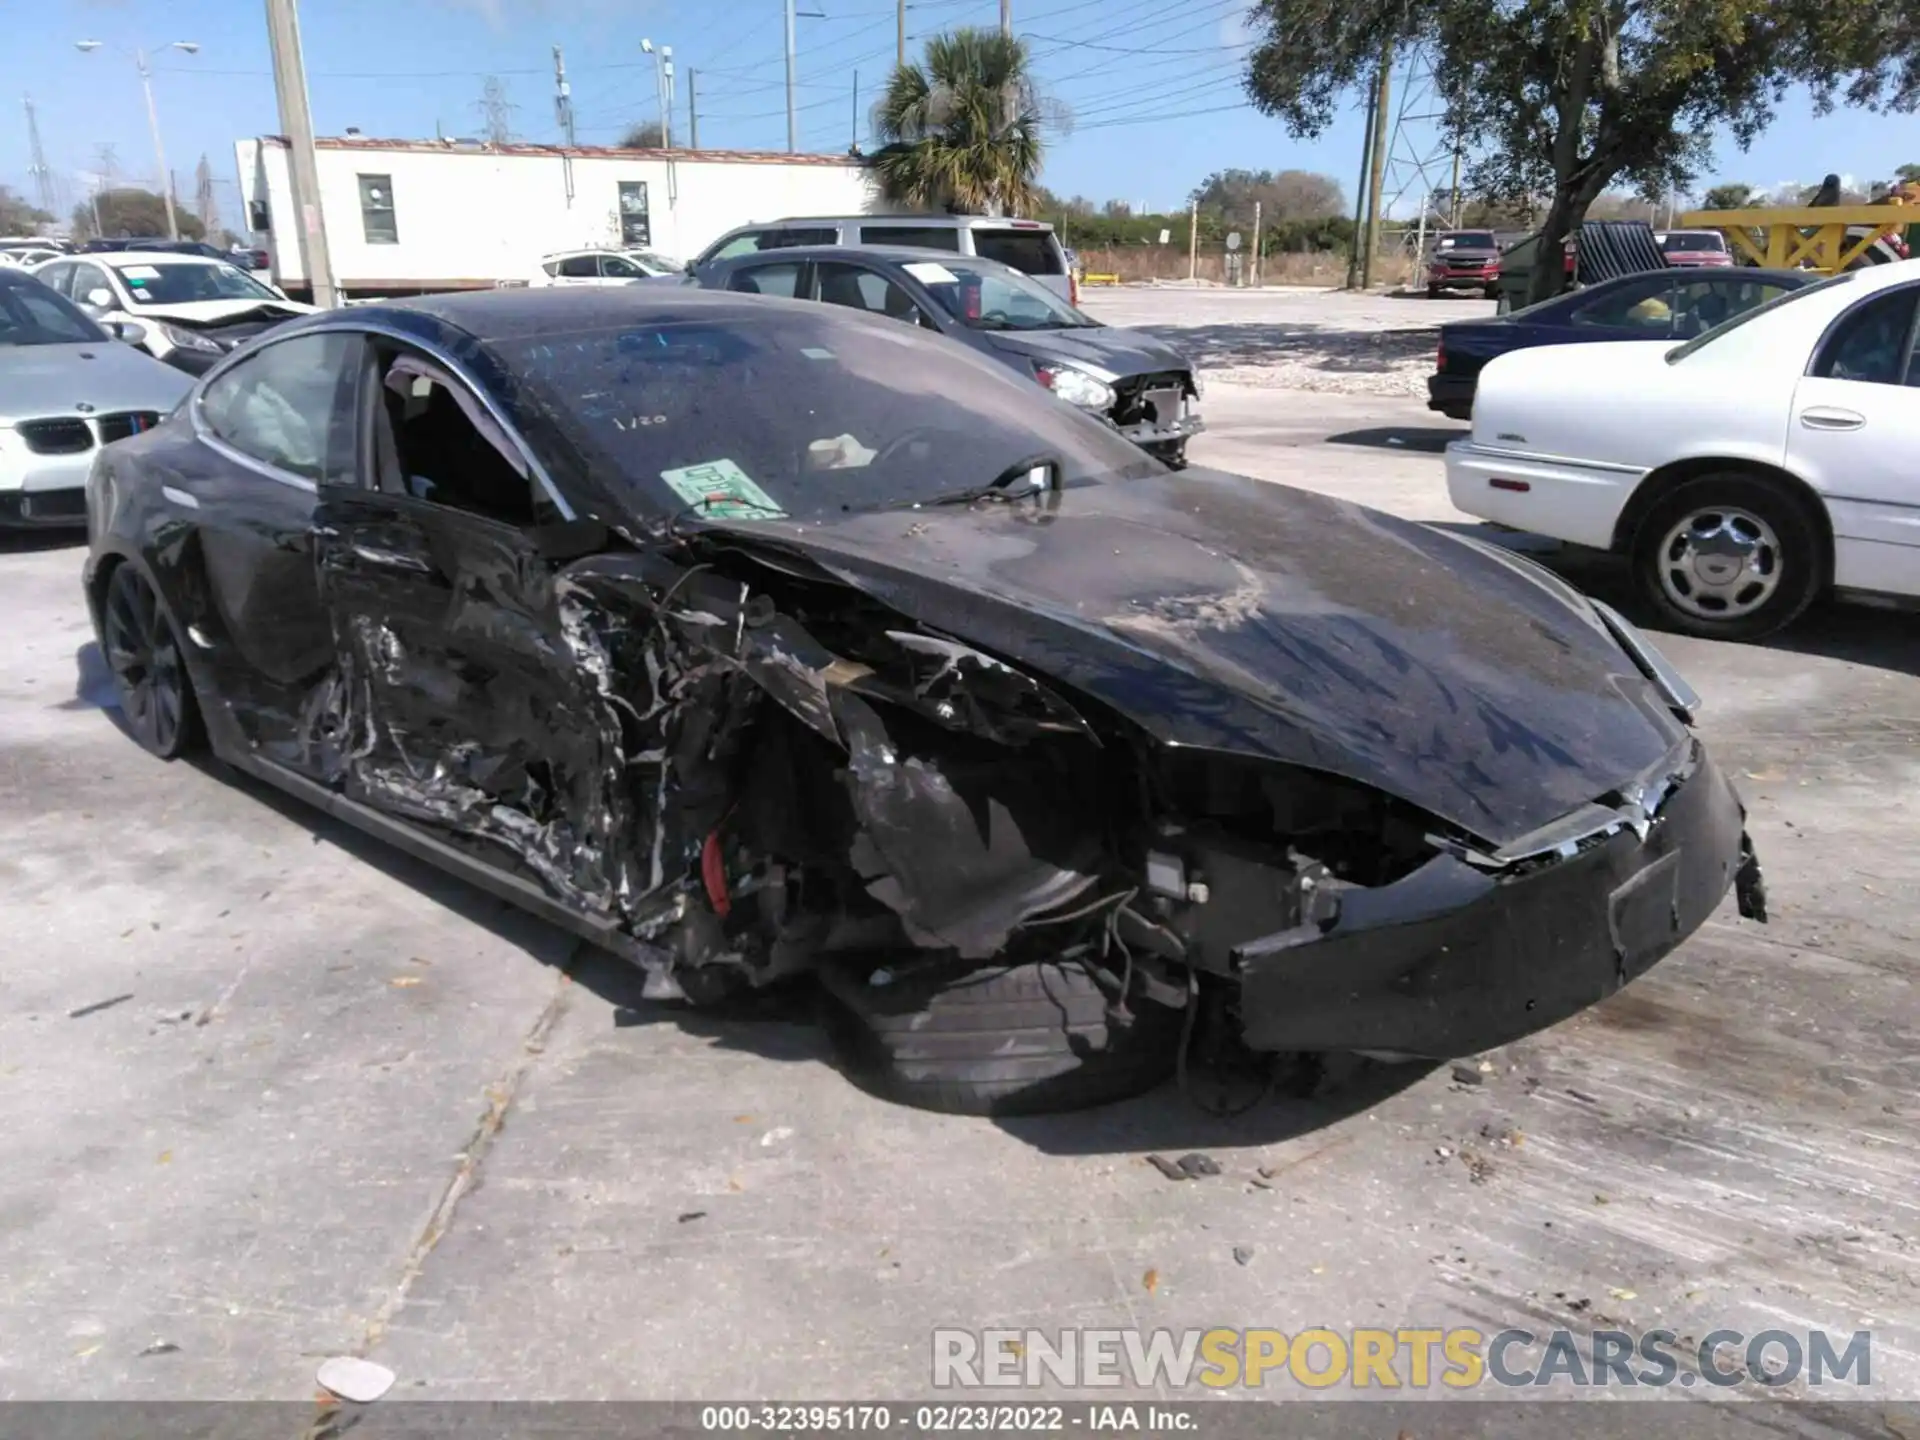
x=376 y=210
x=635 y=228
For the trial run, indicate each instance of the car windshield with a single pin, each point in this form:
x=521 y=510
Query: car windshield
x=751 y=416
x=651 y=263
x=992 y=297
x=1681 y=352
x=164 y=282
x=1712 y=240
x=31 y=314
x=1467 y=240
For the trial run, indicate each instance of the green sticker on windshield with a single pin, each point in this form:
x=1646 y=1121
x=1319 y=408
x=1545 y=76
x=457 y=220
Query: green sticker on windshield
x=723 y=490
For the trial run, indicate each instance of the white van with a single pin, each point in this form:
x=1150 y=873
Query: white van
x=1029 y=246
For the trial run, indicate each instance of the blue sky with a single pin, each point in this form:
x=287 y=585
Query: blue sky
x=1151 y=83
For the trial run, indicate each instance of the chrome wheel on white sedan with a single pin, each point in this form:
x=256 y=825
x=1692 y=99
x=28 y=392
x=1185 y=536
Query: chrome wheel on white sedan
x=1730 y=556
x=1720 y=564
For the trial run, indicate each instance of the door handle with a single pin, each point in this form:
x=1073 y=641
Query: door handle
x=1824 y=417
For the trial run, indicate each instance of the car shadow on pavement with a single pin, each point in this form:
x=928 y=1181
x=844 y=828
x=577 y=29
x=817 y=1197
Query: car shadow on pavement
x=1429 y=439
x=1859 y=634
x=27 y=542
x=1175 y=1120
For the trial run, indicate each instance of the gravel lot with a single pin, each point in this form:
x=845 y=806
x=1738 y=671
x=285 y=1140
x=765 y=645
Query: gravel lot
x=272 y=1092
x=1293 y=339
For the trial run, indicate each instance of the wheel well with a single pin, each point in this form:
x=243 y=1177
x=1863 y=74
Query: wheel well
x=1657 y=485
x=101 y=575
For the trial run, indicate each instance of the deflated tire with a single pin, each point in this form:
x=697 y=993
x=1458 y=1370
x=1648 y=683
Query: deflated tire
x=1001 y=1039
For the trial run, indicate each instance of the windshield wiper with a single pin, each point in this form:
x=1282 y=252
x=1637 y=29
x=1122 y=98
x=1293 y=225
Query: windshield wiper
x=1003 y=486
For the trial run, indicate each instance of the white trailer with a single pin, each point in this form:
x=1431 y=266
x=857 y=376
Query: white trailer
x=408 y=217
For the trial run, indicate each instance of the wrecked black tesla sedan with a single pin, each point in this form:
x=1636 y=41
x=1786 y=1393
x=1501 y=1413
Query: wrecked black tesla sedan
x=749 y=639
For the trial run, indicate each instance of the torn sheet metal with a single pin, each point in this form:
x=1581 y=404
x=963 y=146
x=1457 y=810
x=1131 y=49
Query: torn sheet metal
x=961 y=852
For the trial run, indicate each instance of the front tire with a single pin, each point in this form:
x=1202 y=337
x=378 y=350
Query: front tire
x=149 y=666
x=1006 y=1038
x=1729 y=557
x=1433 y=292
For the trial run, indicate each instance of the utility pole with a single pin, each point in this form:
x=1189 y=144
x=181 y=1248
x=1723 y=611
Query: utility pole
x=900 y=33
x=1453 y=195
x=854 y=142
x=562 y=97
x=1006 y=33
x=37 y=162
x=204 y=203
x=159 y=152
x=793 y=124
x=296 y=122
x=1256 y=242
x=1360 y=190
x=1379 y=168
x=693 y=114
x=1193 y=242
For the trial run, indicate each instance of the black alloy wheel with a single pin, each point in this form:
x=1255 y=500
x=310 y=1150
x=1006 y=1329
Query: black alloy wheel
x=149 y=670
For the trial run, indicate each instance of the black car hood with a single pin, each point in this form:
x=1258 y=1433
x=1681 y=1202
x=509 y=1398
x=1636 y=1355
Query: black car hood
x=1112 y=354
x=1232 y=614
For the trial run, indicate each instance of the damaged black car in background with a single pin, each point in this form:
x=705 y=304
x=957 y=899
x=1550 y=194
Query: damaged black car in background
x=752 y=641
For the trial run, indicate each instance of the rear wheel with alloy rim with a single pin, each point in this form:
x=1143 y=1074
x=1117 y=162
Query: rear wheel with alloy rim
x=1729 y=557
x=149 y=668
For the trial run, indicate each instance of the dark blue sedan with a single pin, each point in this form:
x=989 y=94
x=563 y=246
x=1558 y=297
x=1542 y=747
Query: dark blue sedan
x=1655 y=305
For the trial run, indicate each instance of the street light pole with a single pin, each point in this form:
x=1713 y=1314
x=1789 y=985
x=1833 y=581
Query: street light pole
x=793 y=127
x=153 y=120
x=159 y=150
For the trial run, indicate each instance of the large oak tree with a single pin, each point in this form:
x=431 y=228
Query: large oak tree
x=1563 y=98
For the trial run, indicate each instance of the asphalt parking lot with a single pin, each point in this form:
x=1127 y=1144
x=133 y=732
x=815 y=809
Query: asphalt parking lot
x=272 y=1092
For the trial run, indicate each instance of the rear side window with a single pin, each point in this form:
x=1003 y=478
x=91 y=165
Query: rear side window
x=923 y=237
x=769 y=280
x=811 y=235
x=1873 y=343
x=580 y=267
x=1032 y=252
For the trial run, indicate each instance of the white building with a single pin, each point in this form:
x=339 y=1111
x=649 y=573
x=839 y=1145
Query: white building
x=408 y=216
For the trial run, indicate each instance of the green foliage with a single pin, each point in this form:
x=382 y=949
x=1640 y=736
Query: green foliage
x=1731 y=196
x=18 y=217
x=1564 y=98
x=132 y=212
x=1289 y=195
x=961 y=128
x=1114 y=232
x=642 y=135
x=1910 y=174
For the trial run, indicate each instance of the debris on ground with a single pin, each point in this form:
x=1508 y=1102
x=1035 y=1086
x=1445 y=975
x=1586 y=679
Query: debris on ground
x=98 y=1006
x=1464 y=1074
x=351 y=1378
x=1242 y=1254
x=1188 y=1167
x=687 y=1215
x=1151 y=1280
x=777 y=1134
x=160 y=1347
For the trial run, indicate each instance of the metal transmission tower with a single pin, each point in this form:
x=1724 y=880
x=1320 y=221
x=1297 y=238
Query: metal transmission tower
x=496 y=110
x=204 y=203
x=37 y=164
x=1422 y=157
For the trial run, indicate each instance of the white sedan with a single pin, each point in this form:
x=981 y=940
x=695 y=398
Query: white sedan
x=1745 y=473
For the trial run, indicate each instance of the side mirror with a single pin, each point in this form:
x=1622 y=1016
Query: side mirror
x=125 y=330
x=571 y=539
x=100 y=298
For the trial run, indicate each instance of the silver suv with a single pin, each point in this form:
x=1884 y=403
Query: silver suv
x=1029 y=246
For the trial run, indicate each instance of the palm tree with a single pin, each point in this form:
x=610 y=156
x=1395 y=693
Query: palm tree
x=961 y=129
